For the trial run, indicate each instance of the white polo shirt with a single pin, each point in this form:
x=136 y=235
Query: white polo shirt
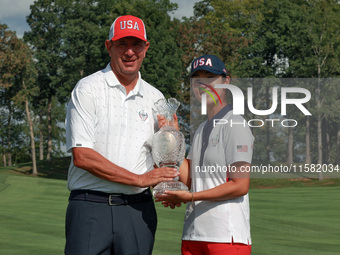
x=218 y=147
x=120 y=127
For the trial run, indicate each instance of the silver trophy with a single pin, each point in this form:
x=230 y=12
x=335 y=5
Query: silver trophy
x=168 y=146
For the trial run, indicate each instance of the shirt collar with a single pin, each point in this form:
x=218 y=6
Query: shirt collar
x=112 y=81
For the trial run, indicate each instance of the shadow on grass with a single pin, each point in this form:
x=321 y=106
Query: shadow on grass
x=257 y=183
x=56 y=168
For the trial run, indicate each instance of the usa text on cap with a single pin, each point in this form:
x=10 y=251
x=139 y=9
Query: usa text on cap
x=209 y=63
x=127 y=25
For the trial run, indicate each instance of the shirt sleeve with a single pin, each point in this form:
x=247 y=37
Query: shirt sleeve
x=80 y=118
x=239 y=143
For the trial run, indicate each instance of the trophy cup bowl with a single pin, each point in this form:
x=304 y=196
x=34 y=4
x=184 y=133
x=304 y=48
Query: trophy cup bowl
x=168 y=146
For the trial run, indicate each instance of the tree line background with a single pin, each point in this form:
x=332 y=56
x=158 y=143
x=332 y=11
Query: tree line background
x=255 y=38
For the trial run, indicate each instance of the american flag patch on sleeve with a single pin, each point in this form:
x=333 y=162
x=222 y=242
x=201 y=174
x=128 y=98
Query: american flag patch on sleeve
x=242 y=148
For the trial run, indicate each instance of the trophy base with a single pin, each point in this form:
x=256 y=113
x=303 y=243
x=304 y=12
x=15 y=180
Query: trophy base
x=174 y=185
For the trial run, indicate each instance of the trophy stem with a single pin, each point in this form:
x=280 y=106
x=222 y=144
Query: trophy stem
x=171 y=165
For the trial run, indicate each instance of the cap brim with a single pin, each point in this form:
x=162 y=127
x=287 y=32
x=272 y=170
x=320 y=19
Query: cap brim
x=117 y=37
x=210 y=71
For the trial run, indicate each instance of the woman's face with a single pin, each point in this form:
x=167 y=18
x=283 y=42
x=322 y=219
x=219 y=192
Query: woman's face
x=204 y=82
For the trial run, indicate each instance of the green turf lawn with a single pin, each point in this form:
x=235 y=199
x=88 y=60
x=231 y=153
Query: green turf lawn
x=296 y=220
x=32 y=212
x=292 y=220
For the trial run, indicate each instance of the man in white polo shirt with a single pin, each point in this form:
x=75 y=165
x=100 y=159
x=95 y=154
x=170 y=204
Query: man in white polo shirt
x=109 y=126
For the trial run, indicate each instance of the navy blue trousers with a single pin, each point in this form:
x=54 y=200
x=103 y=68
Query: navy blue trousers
x=98 y=228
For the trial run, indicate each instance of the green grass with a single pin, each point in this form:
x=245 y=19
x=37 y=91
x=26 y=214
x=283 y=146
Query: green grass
x=287 y=216
x=32 y=215
x=169 y=230
x=295 y=220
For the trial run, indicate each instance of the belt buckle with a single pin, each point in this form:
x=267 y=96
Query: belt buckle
x=110 y=203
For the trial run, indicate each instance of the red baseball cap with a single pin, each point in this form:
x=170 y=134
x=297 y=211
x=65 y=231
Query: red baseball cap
x=127 y=25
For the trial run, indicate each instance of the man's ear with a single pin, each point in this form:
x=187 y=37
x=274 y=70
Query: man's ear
x=147 y=45
x=108 y=45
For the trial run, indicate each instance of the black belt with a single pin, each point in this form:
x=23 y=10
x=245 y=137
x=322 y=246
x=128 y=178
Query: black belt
x=111 y=199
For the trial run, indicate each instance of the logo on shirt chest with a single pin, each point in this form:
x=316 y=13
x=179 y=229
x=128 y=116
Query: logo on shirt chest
x=214 y=141
x=143 y=115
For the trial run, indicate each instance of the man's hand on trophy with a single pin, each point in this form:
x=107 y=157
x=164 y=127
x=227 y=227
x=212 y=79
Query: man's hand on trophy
x=162 y=121
x=156 y=176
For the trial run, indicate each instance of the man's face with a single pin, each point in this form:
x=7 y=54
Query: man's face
x=202 y=81
x=127 y=55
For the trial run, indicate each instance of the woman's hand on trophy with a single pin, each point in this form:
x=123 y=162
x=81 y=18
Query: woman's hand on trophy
x=162 y=121
x=174 y=197
x=169 y=204
x=156 y=176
